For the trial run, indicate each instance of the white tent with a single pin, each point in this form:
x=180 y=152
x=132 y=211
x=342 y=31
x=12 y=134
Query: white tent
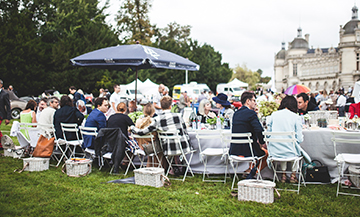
x=149 y=89
x=236 y=82
x=132 y=84
x=149 y=83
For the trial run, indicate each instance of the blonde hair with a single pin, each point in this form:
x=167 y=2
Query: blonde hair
x=202 y=106
x=121 y=107
x=149 y=111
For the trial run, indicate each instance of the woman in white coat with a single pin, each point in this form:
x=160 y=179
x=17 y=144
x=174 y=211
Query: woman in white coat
x=286 y=119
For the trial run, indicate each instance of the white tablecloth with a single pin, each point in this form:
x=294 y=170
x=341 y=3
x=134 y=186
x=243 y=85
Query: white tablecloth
x=317 y=143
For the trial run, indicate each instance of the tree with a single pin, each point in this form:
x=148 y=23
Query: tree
x=246 y=75
x=133 y=23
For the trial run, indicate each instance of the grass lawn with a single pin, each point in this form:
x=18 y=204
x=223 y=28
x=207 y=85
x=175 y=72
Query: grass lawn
x=52 y=193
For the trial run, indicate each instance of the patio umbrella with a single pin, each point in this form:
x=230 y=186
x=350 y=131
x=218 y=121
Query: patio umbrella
x=134 y=56
x=296 y=89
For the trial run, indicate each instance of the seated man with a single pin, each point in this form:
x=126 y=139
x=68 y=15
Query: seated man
x=245 y=120
x=47 y=115
x=167 y=121
x=304 y=105
x=96 y=119
x=85 y=110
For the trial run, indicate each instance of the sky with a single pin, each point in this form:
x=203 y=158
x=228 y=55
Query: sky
x=251 y=32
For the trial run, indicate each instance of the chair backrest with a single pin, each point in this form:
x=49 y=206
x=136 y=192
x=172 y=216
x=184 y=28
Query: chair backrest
x=89 y=131
x=166 y=137
x=69 y=128
x=344 y=138
x=47 y=129
x=283 y=137
x=207 y=135
x=238 y=138
x=31 y=132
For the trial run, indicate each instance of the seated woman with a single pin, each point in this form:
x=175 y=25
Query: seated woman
x=67 y=114
x=224 y=105
x=286 y=120
x=120 y=119
x=354 y=109
x=205 y=110
x=28 y=116
x=141 y=123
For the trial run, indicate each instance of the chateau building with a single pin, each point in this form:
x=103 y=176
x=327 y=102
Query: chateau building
x=321 y=68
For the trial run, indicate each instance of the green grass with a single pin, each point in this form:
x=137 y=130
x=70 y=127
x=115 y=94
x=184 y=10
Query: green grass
x=52 y=193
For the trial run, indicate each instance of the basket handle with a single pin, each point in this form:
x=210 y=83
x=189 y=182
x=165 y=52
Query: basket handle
x=20 y=171
x=277 y=192
x=167 y=182
x=77 y=176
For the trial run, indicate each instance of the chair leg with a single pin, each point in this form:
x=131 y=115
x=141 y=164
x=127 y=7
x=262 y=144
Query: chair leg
x=169 y=164
x=205 y=162
x=235 y=175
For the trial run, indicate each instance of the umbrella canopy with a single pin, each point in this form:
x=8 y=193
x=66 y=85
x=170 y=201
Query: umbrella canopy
x=296 y=89
x=134 y=56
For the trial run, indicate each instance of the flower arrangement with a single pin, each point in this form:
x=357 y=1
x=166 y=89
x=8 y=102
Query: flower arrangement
x=267 y=108
x=307 y=117
x=212 y=121
x=135 y=115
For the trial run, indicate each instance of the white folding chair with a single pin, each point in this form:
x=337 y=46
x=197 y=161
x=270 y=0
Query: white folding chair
x=28 y=134
x=150 y=136
x=89 y=131
x=167 y=137
x=130 y=158
x=60 y=147
x=241 y=139
x=72 y=128
x=204 y=136
x=343 y=160
x=284 y=137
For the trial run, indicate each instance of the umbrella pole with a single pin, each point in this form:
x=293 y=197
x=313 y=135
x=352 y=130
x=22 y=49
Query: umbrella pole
x=136 y=87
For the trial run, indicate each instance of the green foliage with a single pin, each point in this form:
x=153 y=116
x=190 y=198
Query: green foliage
x=266 y=108
x=246 y=75
x=212 y=121
x=133 y=22
x=135 y=115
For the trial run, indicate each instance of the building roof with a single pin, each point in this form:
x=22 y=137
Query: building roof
x=281 y=54
x=299 y=43
x=324 y=50
x=350 y=26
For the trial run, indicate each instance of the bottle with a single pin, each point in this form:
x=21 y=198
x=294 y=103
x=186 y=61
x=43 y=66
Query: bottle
x=218 y=123
x=356 y=116
x=226 y=122
x=192 y=118
x=302 y=118
x=199 y=124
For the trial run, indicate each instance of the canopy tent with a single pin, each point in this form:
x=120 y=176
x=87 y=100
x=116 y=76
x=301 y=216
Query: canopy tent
x=238 y=83
x=132 y=84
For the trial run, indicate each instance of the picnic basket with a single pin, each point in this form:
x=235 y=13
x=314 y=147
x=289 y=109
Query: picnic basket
x=77 y=167
x=355 y=170
x=36 y=164
x=261 y=191
x=151 y=176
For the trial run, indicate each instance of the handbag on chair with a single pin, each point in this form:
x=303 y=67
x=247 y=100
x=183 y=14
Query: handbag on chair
x=148 y=148
x=316 y=173
x=44 y=147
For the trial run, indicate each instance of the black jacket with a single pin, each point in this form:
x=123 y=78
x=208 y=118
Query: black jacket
x=5 y=109
x=111 y=140
x=244 y=121
x=67 y=114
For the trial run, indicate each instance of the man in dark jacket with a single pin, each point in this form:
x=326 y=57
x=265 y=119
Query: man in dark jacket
x=304 y=105
x=5 y=109
x=245 y=120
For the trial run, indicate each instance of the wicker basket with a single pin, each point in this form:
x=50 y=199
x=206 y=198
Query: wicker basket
x=77 y=168
x=355 y=170
x=151 y=176
x=261 y=191
x=15 y=153
x=36 y=164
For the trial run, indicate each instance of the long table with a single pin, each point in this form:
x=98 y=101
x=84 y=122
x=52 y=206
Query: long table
x=317 y=143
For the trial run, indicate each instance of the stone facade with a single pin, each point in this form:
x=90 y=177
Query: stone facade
x=321 y=68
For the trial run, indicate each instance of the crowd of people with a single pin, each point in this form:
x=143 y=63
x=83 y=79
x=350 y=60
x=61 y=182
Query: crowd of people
x=111 y=112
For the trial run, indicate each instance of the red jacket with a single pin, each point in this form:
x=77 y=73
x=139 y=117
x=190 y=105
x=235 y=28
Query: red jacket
x=354 y=109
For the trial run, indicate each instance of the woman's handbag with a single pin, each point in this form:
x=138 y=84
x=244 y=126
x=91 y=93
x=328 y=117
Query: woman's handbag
x=148 y=148
x=316 y=173
x=44 y=147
